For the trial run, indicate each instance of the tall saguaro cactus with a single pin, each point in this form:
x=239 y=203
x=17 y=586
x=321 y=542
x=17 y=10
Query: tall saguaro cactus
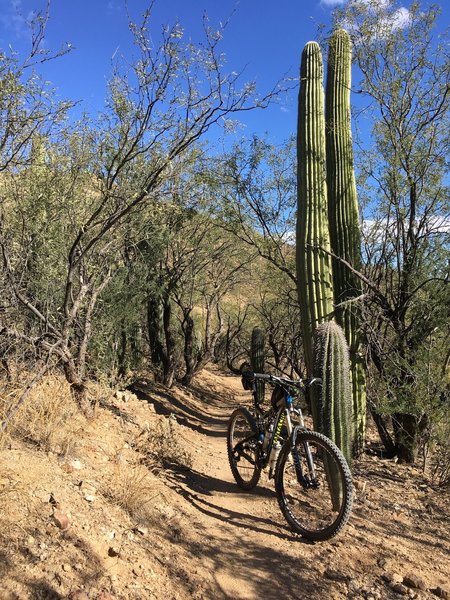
x=257 y=359
x=314 y=275
x=343 y=214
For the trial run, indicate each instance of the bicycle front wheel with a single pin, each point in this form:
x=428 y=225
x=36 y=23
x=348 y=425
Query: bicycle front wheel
x=316 y=496
x=243 y=449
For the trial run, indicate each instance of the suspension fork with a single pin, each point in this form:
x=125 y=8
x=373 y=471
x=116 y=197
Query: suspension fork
x=305 y=480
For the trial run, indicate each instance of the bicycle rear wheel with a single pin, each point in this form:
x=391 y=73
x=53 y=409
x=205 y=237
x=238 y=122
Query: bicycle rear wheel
x=243 y=449
x=319 y=505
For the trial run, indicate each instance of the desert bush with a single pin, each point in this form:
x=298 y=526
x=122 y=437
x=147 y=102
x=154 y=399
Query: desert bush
x=133 y=489
x=49 y=419
x=438 y=446
x=161 y=447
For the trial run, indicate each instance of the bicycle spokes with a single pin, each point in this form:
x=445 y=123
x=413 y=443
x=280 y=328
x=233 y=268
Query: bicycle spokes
x=313 y=485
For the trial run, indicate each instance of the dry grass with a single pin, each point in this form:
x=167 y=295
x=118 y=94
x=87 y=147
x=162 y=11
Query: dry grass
x=49 y=418
x=135 y=490
x=161 y=446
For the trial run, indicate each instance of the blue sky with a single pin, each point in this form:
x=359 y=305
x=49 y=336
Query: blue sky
x=265 y=37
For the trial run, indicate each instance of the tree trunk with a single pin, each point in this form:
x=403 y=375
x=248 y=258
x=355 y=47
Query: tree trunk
x=154 y=328
x=79 y=390
x=406 y=430
x=169 y=354
x=383 y=431
x=188 y=331
x=122 y=367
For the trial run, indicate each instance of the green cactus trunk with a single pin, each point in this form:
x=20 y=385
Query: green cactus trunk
x=343 y=215
x=333 y=410
x=314 y=277
x=257 y=359
x=331 y=364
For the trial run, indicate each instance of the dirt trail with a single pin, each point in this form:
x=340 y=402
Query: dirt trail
x=193 y=534
x=246 y=548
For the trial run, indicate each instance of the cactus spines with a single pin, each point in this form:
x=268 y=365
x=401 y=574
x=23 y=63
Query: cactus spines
x=257 y=359
x=333 y=413
x=313 y=261
x=343 y=213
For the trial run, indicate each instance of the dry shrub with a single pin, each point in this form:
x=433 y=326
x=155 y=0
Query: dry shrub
x=440 y=456
x=134 y=490
x=440 y=470
x=99 y=392
x=47 y=419
x=437 y=442
x=161 y=445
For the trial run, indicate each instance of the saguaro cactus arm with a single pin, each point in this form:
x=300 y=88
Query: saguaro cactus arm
x=343 y=213
x=314 y=275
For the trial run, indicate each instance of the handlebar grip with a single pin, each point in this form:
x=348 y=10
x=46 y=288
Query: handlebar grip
x=263 y=376
x=312 y=381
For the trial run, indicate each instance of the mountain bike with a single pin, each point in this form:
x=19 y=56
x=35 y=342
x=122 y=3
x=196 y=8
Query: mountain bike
x=313 y=482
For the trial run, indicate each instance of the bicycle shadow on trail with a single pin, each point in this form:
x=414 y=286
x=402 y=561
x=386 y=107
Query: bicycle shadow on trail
x=200 y=491
x=240 y=520
x=248 y=555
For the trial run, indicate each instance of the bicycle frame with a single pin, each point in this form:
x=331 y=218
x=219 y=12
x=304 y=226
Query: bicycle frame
x=313 y=482
x=283 y=417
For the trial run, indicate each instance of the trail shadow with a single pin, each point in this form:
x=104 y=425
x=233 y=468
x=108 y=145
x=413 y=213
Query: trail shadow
x=208 y=485
x=215 y=399
x=117 y=412
x=192 y=417
x=76 y=550
x=272 y=565
x=240 y=520
x=42 y=590
x=5 y=563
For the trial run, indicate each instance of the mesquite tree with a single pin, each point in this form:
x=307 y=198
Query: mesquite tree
x=157 y=109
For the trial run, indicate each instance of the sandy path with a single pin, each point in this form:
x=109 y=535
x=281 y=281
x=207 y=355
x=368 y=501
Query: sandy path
x=243 y=545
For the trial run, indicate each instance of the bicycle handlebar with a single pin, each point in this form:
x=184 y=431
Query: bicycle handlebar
x=250 y=376
x=285 y=381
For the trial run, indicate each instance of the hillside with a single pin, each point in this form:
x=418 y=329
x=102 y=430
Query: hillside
x=98 y=517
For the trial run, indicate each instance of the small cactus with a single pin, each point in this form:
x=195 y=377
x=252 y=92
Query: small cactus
x=257 y=359
x=332 y=411
x=332 y=408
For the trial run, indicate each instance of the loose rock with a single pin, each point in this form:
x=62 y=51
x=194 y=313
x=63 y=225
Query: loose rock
x=414 y=581
x=393 y=577
x=400 y=588
x=336 y=575
x=78 y=595
x=441 y=592
x=62 y=520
